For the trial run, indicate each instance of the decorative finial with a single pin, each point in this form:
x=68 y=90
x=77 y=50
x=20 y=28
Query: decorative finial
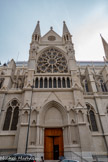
x=63 y=22
x=38 y=22
x=100 y=34
x=51 y=28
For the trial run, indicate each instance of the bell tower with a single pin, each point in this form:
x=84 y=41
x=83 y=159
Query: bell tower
x=34 y=46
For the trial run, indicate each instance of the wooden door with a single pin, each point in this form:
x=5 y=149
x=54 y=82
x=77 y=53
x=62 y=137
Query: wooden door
x=53 y=141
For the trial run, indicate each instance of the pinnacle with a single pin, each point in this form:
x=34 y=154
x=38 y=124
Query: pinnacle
x=37 y=29
x=51 y=28
x=65 y=29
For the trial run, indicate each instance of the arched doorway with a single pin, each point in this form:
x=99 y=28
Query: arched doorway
x=54 y=118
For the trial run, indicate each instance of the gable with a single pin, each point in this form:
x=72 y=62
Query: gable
x=52 y=97
x=51 y=37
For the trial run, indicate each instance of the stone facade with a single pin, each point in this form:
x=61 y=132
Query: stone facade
x=53 y=90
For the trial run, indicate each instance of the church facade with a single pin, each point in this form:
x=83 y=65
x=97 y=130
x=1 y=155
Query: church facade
x=53 y=105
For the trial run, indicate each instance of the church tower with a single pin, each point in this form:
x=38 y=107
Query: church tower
x=57 y=97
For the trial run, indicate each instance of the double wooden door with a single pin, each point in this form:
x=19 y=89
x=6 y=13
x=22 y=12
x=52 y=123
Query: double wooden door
x=53 y=143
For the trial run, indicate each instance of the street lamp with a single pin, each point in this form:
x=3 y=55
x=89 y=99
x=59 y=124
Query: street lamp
x=29 y=122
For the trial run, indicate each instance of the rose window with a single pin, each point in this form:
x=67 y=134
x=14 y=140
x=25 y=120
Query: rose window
x=52 y=61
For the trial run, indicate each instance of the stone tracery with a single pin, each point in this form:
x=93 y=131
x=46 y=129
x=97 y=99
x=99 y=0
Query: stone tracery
x=52 y=61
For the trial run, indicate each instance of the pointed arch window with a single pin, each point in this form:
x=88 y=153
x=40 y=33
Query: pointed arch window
x=50 y=82
x=103 y=86
x=59 y=83
x=68 y=83
x=45 y=83
x=11 y=118
x=91 y=118
x=36 y=37
x=63 y=83
x=86 y=86
x=7 y=119
x=41 y=82
x=36 y=83
x=54 y=83
x=15 y=119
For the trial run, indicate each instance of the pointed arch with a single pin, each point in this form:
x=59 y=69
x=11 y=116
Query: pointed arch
x=63 y=83
x=86 y=86
x=54 y=83
x=7 y=119
x=58 y=108
x=36 y=83
x=68 y=82
x=25 y=117
x=91 y=118
x=41 y=82
x=11 y=118
x=15 y=119
x=45 y=83
x=103 y=86
x=59 y=82
x=50 y=82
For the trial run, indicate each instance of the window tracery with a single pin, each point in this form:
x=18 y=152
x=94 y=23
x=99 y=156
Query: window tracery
x=52 y=61
x=100 y=84
x=91 y=118
x=103 y=86
x=11 y=118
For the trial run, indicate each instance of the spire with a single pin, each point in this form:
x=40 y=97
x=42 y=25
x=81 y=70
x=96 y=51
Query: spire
x=36 y=34
x=105 y=45
x=65 y=29
x=37 y=29
x=66 y=34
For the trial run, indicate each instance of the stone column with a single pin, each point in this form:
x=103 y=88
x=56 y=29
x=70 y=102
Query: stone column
x=69 y=135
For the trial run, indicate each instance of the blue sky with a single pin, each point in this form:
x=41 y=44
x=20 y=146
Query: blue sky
x=86 y=19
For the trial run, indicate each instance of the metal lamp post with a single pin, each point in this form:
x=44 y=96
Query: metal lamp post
x=29 y=122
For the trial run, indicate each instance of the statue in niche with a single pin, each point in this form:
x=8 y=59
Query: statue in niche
x=18 y=83
x=35 y=47
x=70 y=50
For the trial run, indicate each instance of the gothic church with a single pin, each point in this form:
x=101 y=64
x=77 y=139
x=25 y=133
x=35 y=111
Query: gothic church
x=53 y=105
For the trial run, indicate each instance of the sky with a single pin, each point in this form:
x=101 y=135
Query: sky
x=85 y=19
